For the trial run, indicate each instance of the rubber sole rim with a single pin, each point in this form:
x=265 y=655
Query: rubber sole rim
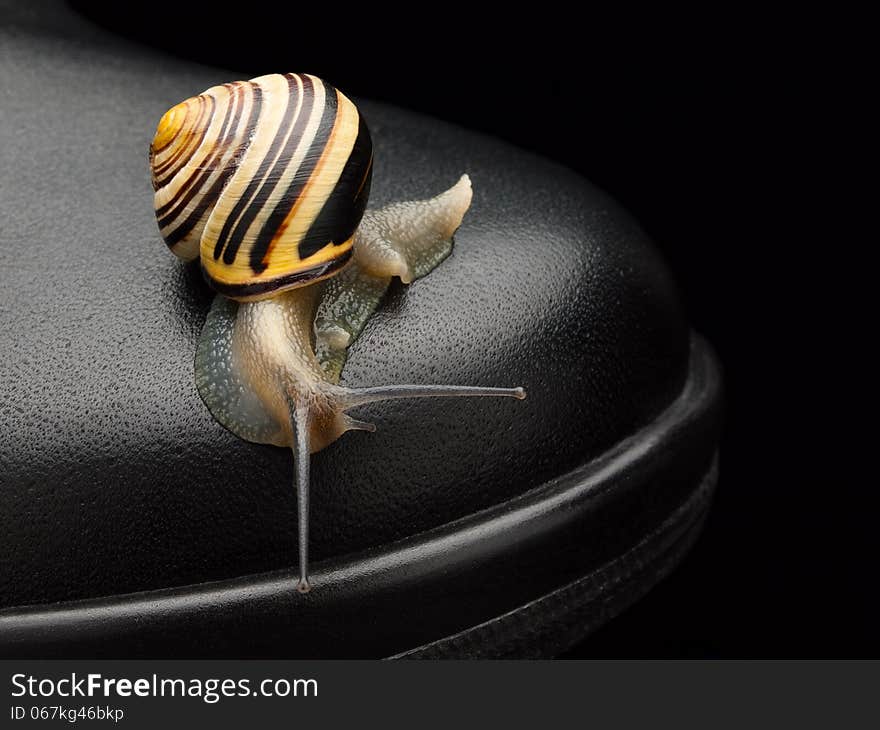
x=549 y=625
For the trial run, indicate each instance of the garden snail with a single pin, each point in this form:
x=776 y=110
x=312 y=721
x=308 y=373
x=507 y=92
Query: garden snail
x=266 y=182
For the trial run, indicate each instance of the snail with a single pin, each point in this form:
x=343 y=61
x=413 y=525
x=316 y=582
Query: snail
x=266 y=182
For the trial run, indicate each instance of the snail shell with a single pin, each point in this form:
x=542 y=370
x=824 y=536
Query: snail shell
x=266 y=180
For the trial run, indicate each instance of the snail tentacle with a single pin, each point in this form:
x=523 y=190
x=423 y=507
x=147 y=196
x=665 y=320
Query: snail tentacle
x=352 y=397
x=353 y=424
x=299 y=422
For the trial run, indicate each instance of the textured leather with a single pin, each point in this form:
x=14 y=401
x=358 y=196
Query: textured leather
x=113 y=475
x=486 y=585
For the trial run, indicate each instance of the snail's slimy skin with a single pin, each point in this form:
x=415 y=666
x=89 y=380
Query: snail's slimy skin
x=256 y=360
x=407 y=240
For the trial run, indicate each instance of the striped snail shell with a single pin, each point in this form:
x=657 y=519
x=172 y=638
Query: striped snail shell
x=265 y=180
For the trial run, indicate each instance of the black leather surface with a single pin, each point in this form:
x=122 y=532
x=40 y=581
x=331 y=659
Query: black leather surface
x=114 y=476
x=559 y=560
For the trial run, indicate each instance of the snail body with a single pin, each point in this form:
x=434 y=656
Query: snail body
x=266 y=182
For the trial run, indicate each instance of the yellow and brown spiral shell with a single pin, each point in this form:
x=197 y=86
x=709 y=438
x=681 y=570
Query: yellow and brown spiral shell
x=266 y=180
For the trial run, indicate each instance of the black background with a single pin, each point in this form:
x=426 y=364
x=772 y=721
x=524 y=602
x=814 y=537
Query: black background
x=733 y=138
